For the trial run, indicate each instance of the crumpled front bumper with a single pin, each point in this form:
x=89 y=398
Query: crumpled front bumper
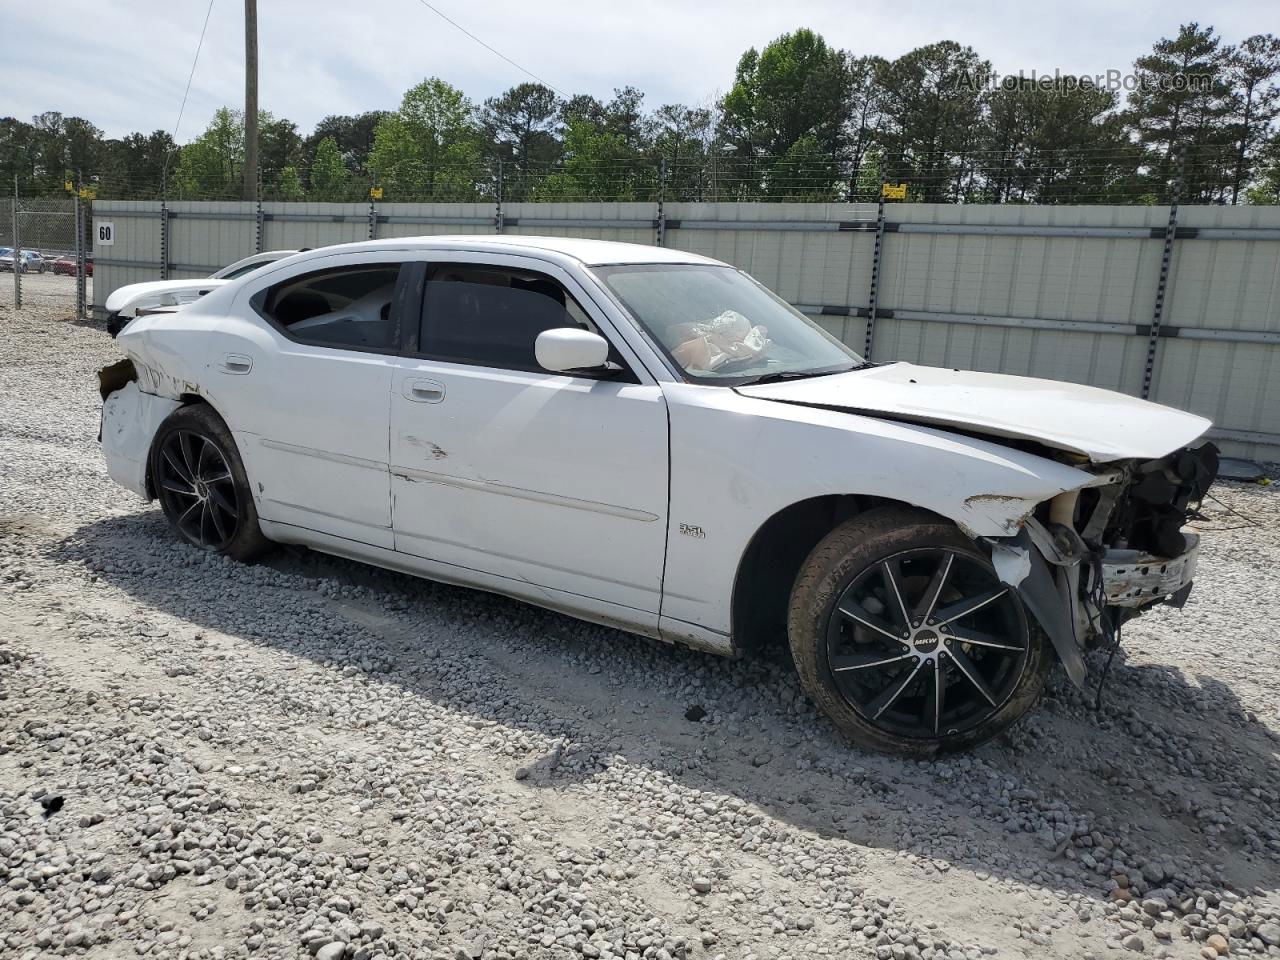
x=1131 y=578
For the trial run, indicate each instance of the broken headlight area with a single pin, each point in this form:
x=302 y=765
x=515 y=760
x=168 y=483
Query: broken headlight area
x=1090 y=559
x=1128 y=536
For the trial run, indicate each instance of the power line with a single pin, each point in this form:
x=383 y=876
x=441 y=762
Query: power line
x=498 y=53
x=187 y=92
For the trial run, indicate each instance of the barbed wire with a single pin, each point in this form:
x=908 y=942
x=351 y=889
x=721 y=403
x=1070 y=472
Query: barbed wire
x=1122 y=175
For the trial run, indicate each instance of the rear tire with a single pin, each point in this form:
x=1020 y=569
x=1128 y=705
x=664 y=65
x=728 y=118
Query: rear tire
x=904 y=636
x=199 y=479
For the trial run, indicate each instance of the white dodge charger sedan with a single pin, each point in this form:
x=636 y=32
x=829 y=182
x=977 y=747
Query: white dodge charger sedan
x=651 y=439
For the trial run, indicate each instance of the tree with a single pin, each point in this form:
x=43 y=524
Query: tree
x=1255 y=100
x=132 y=168
x=589 y=171
x=796 y=87
x=520 y=126
x=865 y=105
x=353 y=134
x=1060 y=143
x=1181 y=103
x=1267 y=187
x=932 y=107
x=289 y=185
x=279 y=146
x=330 y=180
x=209 y=168
x=682 y=138
x=805 y=172
x=429 y=148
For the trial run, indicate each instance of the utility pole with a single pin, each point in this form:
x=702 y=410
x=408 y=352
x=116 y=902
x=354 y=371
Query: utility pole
x=251 y=99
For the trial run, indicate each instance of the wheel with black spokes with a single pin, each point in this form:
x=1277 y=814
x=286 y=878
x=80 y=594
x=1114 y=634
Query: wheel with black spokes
x=197 y=475
x=907 y=639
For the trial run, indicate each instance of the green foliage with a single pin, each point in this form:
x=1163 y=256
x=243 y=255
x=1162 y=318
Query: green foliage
x=587 y=173
x=932 y=106
x=330 y=180
x=353 y=134
x=212 y=165
x=520 y=129
x=289 y=185
x=805 y=172
x=429 y=149
x=1267 y=187
x=796 y=87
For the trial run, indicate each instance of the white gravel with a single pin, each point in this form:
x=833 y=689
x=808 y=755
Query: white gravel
x=313 y=757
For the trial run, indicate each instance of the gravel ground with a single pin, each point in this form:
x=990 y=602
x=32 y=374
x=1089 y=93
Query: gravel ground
x=311 y=756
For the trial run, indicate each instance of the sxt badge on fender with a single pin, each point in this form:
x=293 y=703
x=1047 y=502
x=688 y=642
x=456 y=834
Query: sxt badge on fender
x=690 y=530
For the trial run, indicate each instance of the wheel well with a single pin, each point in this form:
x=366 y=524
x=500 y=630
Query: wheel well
x=187 y=400
x=768 y=569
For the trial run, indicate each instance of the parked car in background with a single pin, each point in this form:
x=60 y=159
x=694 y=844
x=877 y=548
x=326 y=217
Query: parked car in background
x=29 y=262
x=651 y=439
x=67 y=265
x=160 y=296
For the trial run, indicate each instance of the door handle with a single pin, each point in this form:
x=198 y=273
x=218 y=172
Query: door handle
x=236 y=363
x=424 y=391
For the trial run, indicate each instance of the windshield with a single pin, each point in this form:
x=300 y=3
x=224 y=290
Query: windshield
x=720 y=326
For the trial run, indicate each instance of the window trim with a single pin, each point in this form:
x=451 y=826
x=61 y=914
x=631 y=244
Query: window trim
x=412 y=347
x=258 y=301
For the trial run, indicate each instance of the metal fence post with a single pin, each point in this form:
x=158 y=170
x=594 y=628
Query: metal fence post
x=873 y=293
x=373 y=217
x=258 y=238
x=79 y=254
x=164 y=240
x=17 y=250
x=1162 y=286
x=662 y=195
x=497 y=214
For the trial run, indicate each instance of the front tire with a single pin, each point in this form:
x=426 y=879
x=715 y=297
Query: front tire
x=197 y=475
x=905 y=637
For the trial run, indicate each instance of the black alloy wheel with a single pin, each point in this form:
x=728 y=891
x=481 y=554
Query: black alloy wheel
x=197 y=475
x=905 y=637
x=927 y=643
x=196 y=487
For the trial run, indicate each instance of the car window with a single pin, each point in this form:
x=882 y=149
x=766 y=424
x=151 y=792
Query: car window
x=491 y=316
x=348 y=307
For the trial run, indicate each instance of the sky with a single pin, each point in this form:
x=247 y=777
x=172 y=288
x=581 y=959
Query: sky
x=123 y=64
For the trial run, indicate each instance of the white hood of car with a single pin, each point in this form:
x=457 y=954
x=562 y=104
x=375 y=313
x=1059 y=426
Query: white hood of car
x=1101 y=424
x=158 y=293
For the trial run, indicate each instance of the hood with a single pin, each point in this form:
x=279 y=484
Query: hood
x=1100 y=424
x=158 y=293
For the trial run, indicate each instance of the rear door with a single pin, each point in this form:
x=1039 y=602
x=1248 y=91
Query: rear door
x=499 y=466
x=304 y=381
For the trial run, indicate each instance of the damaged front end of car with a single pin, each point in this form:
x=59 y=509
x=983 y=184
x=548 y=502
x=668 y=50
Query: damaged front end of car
x=1090 y=559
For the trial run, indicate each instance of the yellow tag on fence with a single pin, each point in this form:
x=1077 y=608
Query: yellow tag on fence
x=68 y=186
x=894 y=191
x=375 y=193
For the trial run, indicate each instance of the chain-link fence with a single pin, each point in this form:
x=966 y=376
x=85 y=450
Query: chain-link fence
x=43 y=251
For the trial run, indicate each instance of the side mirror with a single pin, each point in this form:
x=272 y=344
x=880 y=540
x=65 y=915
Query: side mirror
x=570 y=348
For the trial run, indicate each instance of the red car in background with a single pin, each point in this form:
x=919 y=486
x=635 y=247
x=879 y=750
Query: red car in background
x=67 y=265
